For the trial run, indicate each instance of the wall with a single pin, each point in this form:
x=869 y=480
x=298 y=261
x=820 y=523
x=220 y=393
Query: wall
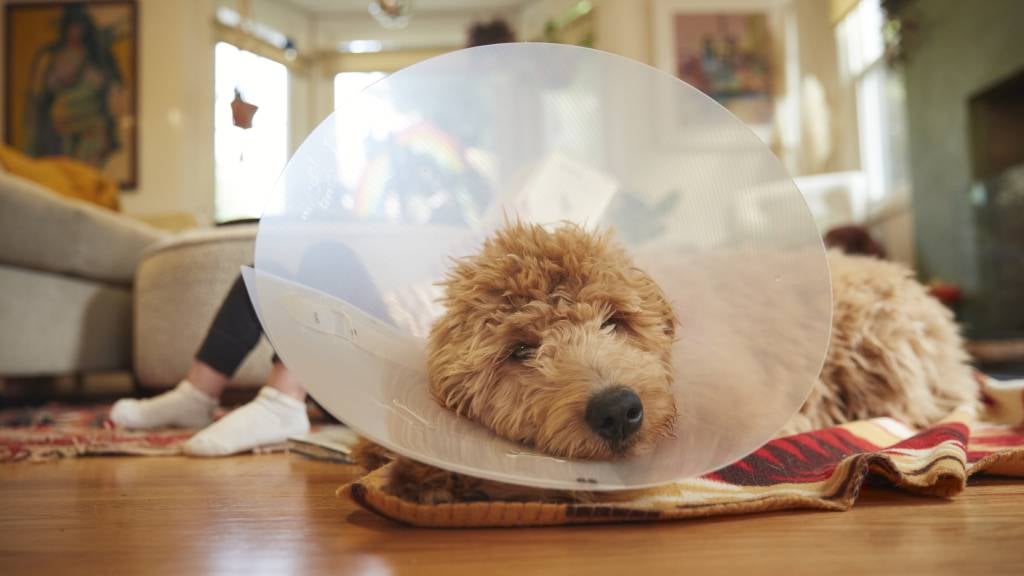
x=534 y=16
x=960 y=49
x=175 y=109
x=425 y=30
x=818 y=59
x=427 y=35
x=624 y=27
x=283 y=17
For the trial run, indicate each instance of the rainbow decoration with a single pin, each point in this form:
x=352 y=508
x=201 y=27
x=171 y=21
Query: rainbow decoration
x=423 y=139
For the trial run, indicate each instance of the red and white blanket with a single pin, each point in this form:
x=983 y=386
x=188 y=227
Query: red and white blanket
x=824 y=469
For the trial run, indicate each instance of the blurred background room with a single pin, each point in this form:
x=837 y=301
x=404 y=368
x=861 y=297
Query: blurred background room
x=141 y=137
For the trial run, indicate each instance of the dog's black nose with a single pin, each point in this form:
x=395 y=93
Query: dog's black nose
x=615 y=414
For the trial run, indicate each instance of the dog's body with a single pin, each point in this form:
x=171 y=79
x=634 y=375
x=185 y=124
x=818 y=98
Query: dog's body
x=556 y=340
x=895 y=351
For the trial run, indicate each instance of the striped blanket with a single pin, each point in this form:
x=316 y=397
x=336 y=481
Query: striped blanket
x=824 y=469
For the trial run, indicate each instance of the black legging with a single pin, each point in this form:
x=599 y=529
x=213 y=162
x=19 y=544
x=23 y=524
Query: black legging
x=234 y=333
x=236 y=329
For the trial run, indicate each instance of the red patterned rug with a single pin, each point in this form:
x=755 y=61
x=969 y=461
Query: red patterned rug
x=61 y=431
x=54 y=431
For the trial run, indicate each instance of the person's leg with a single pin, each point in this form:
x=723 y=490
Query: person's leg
x=207 y=379
x=235 y=331
x=284 y=381
x=277 y=413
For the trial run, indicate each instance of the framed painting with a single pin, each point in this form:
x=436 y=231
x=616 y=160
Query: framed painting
x=71 y=83
x=728 y=57
x=729 y=49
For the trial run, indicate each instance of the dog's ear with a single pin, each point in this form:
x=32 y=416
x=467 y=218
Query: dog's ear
x=664 y=308
x=669 y=315
x=655 y=300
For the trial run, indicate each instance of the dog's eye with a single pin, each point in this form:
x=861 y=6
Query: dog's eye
x=613 y=322
x=522 y=352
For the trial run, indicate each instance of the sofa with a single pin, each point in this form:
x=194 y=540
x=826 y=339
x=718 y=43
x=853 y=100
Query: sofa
x=66 y=274
x=84 y=289
x=180 y=283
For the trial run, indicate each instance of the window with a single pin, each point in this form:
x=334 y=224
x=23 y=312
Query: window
x=881 y=103
x=248 y=161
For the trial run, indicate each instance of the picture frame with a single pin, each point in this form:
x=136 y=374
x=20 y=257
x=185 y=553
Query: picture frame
x=732 y=50
x=71 y=83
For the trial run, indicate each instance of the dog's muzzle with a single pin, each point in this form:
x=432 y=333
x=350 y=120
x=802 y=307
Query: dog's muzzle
x=615 y=414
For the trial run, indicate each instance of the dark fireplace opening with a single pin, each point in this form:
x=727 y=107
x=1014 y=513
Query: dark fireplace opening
x=996 y=310
x=997 y=127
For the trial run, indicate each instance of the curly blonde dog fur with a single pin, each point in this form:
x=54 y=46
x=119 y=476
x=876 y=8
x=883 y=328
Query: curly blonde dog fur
x=555 y=339
x=895 y=351
x=537 y=324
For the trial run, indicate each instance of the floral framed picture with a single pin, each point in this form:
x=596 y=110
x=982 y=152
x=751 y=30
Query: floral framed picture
x=71 y=83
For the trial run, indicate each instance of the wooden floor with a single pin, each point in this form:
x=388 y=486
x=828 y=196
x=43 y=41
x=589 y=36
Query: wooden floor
x=277 y=514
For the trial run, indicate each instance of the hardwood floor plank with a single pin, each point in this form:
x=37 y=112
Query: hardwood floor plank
x=277 y=514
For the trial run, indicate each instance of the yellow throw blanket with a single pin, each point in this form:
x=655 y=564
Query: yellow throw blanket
x=65 y=176
x=824 y=469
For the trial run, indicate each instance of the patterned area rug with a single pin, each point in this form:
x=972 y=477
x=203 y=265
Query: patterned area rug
x=824 y=469
x=55 y=431
x=59 y=431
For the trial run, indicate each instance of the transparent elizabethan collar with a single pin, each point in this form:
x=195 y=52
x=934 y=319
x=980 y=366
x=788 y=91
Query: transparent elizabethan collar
x=424 y=164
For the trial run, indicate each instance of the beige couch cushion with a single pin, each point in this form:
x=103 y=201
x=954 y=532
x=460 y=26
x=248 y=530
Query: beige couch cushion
x=43 y=231
x=52 y=324
x=179 y=287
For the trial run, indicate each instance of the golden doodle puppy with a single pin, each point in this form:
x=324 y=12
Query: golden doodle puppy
x=556 y=340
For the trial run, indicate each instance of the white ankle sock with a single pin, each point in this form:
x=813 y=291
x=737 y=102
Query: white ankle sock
x=183 y=407
x=272 y=417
